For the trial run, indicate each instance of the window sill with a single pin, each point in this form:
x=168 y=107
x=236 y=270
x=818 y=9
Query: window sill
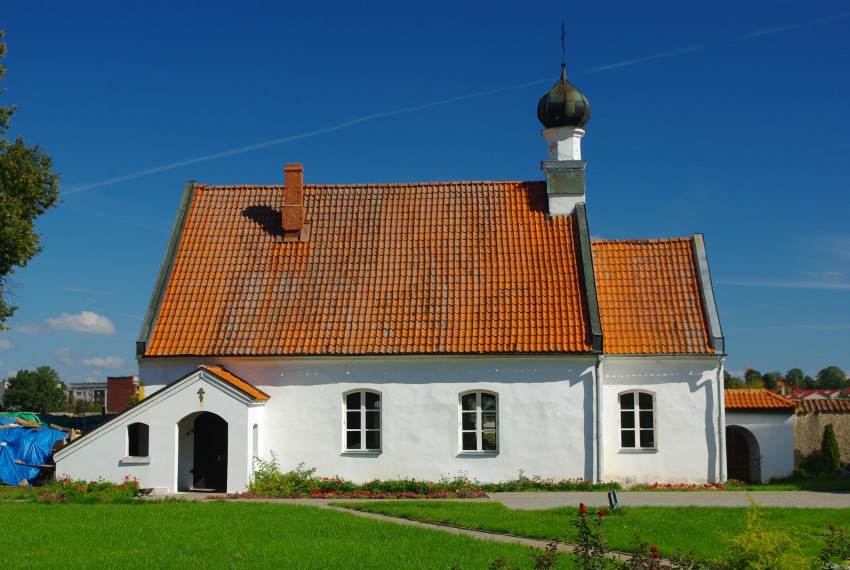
x=477 y=454
x=135 y=461
x=638 y=450
x=358 y=453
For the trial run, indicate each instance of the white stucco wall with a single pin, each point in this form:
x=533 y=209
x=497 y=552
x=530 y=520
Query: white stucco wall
x=545 y=413
x=103 y=452
x=687 y=445
x=774 y=432
x=546 y=419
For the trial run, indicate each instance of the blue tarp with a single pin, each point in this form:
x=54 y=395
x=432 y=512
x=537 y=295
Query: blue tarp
x=29 y=445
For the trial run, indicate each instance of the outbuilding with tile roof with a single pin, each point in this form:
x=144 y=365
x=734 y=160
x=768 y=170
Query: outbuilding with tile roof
x=424 y=329
x=759 y=435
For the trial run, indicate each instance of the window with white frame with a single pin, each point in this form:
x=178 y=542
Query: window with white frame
x=362 y=421
x=479 y=421
x=137 y=440
x=637 y=420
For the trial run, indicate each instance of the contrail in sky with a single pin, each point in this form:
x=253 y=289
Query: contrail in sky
x=375 y=116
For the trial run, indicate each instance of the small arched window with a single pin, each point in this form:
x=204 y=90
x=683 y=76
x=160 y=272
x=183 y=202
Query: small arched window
x=637 y=420
x=137 y=440
x=362 y=421
x=479 y=413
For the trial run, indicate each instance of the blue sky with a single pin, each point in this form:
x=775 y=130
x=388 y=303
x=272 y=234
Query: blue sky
x=725 y=118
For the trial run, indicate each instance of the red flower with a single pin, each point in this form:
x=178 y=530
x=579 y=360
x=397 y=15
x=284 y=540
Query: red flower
x=654 y=549
x=581 y=509
x=832 y=527
x=601 y=513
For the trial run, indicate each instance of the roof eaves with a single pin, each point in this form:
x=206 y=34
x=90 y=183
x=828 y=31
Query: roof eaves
x=707 y=293
x=165 y=270
x=588 y=278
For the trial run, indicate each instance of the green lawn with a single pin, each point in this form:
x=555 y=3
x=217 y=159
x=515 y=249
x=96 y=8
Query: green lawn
x=668 y=528
x=229 y=534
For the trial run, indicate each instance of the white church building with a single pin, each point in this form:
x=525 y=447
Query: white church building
x=420 y=330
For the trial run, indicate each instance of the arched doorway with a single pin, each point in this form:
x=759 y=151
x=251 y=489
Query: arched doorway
x=742 y=455
x=202 y=453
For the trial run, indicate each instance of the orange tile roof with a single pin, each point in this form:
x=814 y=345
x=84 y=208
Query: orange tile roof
x=840 y=405
x=649 y=298
x=234 y=380
x=755 y=399
x=473 y=267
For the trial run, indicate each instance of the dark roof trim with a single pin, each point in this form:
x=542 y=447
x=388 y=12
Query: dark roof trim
x=165 y=270
x=589 y=278
x=707 y=293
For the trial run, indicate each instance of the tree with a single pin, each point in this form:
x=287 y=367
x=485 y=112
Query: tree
x=752 y=378
x=794 y=378
x=772 y=379
x=730 y=381
x=38 y=391
x=28 y=188
x=831 y=377
x=829 y=450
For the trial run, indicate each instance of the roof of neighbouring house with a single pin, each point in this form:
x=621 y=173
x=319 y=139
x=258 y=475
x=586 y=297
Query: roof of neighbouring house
x=431 y=268
x=755 y=399
x=649 y=297
x=840 y=405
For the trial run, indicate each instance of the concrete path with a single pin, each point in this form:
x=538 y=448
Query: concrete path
x=804 y=499
x=548 y=500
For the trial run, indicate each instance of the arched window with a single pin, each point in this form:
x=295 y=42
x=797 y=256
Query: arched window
x=137 y=440
x=479 y=421
x=637 y=420
x=362 y=421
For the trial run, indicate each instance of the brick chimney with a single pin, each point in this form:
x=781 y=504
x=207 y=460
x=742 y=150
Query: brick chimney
x=292 y=211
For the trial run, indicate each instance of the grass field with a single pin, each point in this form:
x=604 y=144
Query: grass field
x=686 y=528
x=229 y=534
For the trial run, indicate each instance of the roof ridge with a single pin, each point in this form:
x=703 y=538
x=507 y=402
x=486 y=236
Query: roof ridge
x=429 y=184
x=643 y=241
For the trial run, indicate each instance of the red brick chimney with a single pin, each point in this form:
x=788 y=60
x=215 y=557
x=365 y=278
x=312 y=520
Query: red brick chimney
x=292 y=211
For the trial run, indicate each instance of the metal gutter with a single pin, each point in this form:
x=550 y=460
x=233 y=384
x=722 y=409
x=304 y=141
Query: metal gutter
x=165 y=269
x=600 y=464
x=589 y=279
x=707 y=293
x=721 y=420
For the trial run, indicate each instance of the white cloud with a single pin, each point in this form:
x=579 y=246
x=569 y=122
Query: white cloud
x=28 y=328
x=85 y=322
x=108 y=362
x=65 y=355
x=5 y=344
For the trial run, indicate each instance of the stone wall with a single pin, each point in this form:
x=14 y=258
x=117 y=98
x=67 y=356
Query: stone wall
x=808 y=433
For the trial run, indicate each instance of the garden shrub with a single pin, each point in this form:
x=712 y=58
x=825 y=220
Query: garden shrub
x=757 y=548
x=67 y=490
x=829 y=450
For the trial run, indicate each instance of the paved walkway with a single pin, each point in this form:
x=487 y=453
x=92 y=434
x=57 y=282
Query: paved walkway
x=804 y=499
x=549 y=500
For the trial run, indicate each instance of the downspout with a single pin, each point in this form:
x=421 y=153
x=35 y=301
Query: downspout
x=600 y=464
x=721 y=420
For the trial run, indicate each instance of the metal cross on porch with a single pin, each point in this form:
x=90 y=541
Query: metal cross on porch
x=201 y=396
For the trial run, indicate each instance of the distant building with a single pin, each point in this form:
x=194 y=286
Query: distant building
x=88 y=391
x=119 y=390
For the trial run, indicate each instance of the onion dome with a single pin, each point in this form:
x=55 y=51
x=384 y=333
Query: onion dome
x=563 y=105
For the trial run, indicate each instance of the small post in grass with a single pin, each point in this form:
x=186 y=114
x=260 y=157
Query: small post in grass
x=612 y=499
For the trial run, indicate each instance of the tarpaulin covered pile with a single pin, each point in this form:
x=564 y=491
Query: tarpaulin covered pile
x=31 y=445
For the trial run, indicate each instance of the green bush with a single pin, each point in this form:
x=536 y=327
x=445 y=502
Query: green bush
x=829 y=450
x=757 y=548
x=67 y=490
